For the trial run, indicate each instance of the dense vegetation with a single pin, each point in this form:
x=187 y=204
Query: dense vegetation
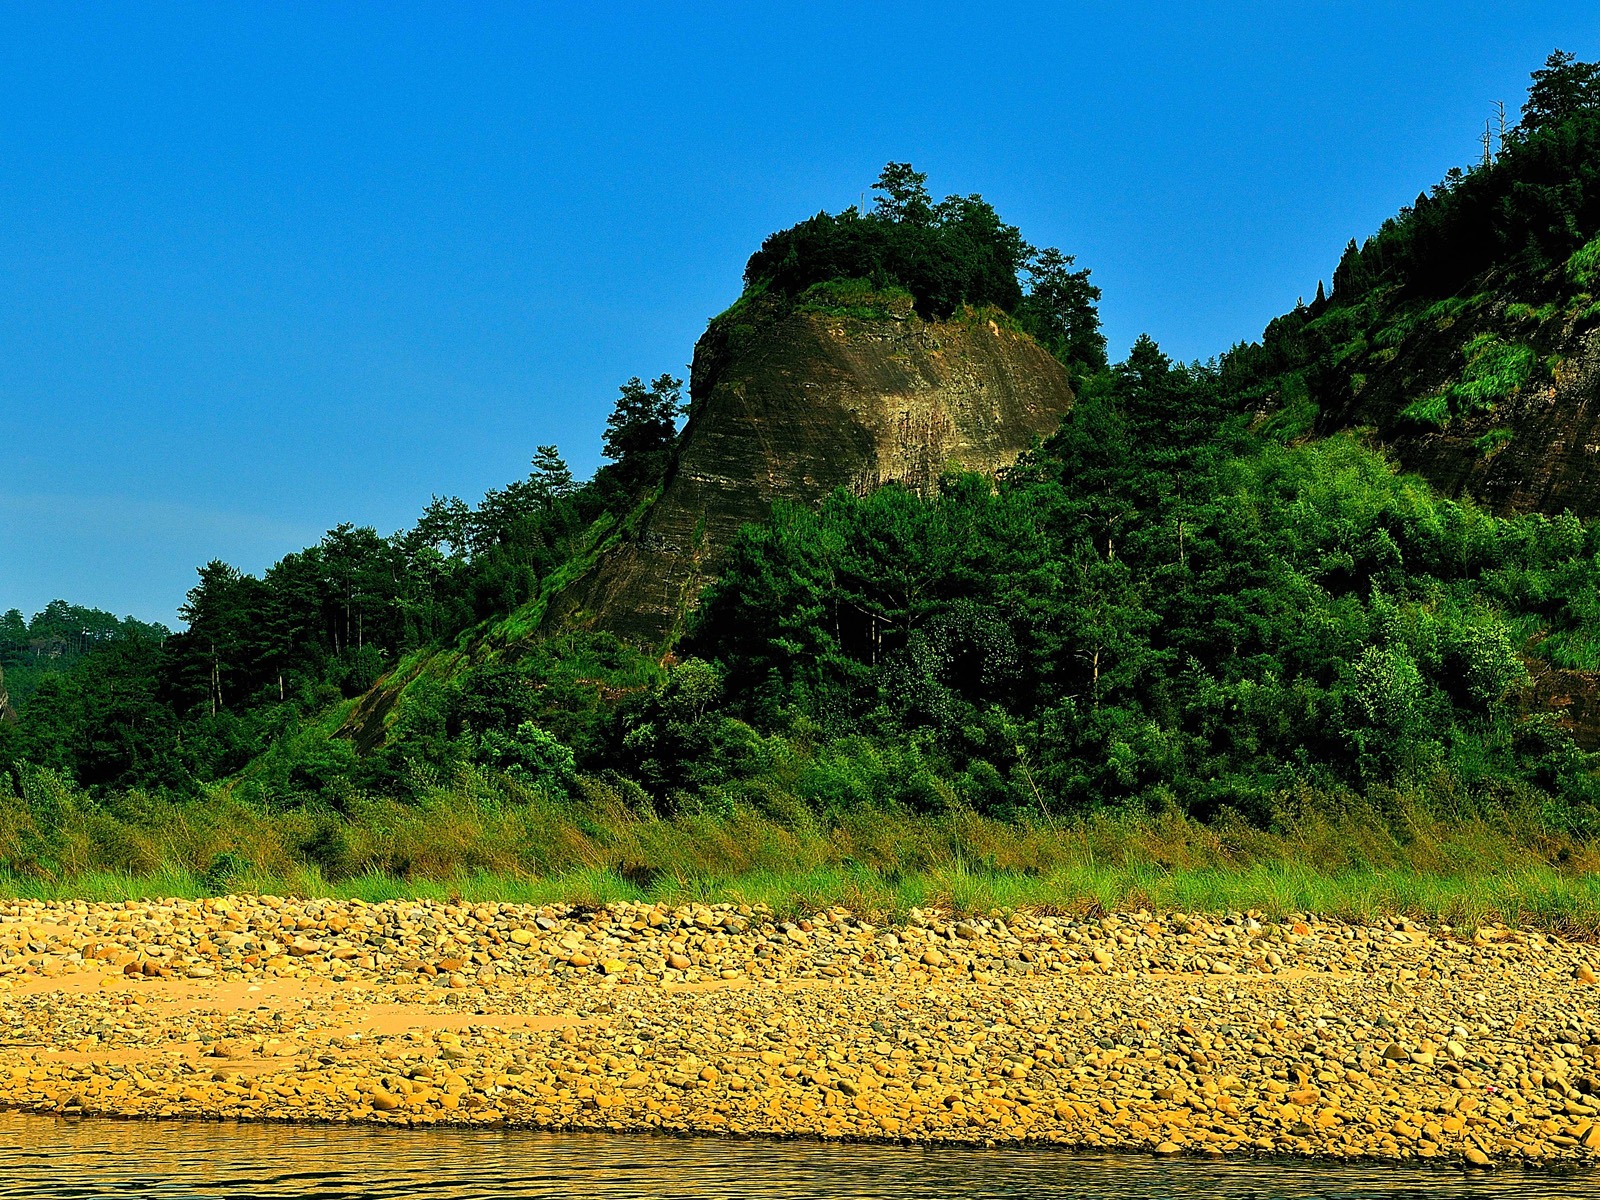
x=127 y=705
x=262 y=661
x=57 y=638
x=1157 y=612
x=1177 y=605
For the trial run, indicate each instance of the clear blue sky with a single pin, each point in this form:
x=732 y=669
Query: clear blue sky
x=268 y=267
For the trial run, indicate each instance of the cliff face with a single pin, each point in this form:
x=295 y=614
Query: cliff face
x=794 y=405
x=1535 y=451
x=7 y=713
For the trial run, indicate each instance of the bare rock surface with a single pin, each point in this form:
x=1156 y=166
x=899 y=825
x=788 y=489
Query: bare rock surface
x=790 y=406
x=1549 y=460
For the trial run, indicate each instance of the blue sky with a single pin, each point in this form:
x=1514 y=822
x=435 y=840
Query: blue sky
x=269 y=267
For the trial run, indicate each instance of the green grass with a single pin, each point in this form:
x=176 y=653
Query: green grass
x=1431 y=854
x=1492 y=441
x=1494 y=370
x=856 y=298
x=1533 y=897
x=1583 y=268
x=1432 y=411
x=1445 y=312
x=1296 y=415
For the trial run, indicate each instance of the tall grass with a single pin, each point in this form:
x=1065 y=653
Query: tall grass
x=1536 y=897
x=482 y=838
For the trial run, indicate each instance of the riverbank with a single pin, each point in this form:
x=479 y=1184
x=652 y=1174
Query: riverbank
x=1432 y=861
x=1529 y=896
x=1130 y=1031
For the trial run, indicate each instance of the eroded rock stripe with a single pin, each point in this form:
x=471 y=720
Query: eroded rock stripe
x=1171 y=1033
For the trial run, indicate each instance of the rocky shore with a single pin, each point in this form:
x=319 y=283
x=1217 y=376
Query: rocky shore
x=1166 y=1033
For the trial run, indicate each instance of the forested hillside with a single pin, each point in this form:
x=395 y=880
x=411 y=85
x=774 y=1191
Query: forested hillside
x=1464 y=331
x=261 y=657
x=57 y=638
x=1213 y=590
x=267 y=666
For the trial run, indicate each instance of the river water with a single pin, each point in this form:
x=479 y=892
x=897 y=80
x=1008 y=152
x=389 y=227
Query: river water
x=46 y=1159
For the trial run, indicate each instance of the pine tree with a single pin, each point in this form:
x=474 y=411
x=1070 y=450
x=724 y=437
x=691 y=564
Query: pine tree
x=1059 y=310
x=551 y=476
x=1561 y=89
x=1350 y=277
x=904 y=195
x=641 y=431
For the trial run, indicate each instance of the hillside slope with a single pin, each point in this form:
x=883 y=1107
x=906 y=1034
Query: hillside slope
x=1465 y=333
x=1533 y=447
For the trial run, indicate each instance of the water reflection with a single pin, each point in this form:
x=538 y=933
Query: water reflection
x=46 y=1159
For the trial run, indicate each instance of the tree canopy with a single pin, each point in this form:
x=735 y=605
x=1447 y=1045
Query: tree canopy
x=1523 y=213
x=1561 y=90
x=946 y=254
x=116 y=703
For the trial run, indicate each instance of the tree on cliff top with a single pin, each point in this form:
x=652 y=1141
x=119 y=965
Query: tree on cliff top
x=955 y=252
x=947 y=254
x=903 y=195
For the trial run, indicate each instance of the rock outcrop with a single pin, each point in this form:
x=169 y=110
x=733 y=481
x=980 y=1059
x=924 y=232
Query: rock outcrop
x=1538 y=451
x=1550 y=462
x=790 y=405
x=7 y=713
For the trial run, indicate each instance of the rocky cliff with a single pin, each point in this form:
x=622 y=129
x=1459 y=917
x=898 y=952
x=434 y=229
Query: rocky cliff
x=7 y=713
x=792 y=403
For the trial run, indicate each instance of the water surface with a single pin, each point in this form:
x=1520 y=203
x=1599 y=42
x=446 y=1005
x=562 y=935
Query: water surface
x=46 y=1159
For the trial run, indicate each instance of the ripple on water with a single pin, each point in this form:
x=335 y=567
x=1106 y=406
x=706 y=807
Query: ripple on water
x=46 y=1159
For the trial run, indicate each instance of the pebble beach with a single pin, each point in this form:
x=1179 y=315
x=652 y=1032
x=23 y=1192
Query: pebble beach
x=1166 y=1033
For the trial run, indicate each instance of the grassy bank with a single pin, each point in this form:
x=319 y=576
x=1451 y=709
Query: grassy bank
x=1536 y=897
x=484 y=839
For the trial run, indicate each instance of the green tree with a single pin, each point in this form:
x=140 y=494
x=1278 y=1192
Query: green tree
x=445 y=523
x=1060 y=311
x=1561 y=89
x=529 y=752
x=641 y=431
x=902 y=195
x=551 y=477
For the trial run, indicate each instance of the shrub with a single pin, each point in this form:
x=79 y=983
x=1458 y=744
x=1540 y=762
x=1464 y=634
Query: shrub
x=1495 y=370
x=528 y=753
x=856 y=298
